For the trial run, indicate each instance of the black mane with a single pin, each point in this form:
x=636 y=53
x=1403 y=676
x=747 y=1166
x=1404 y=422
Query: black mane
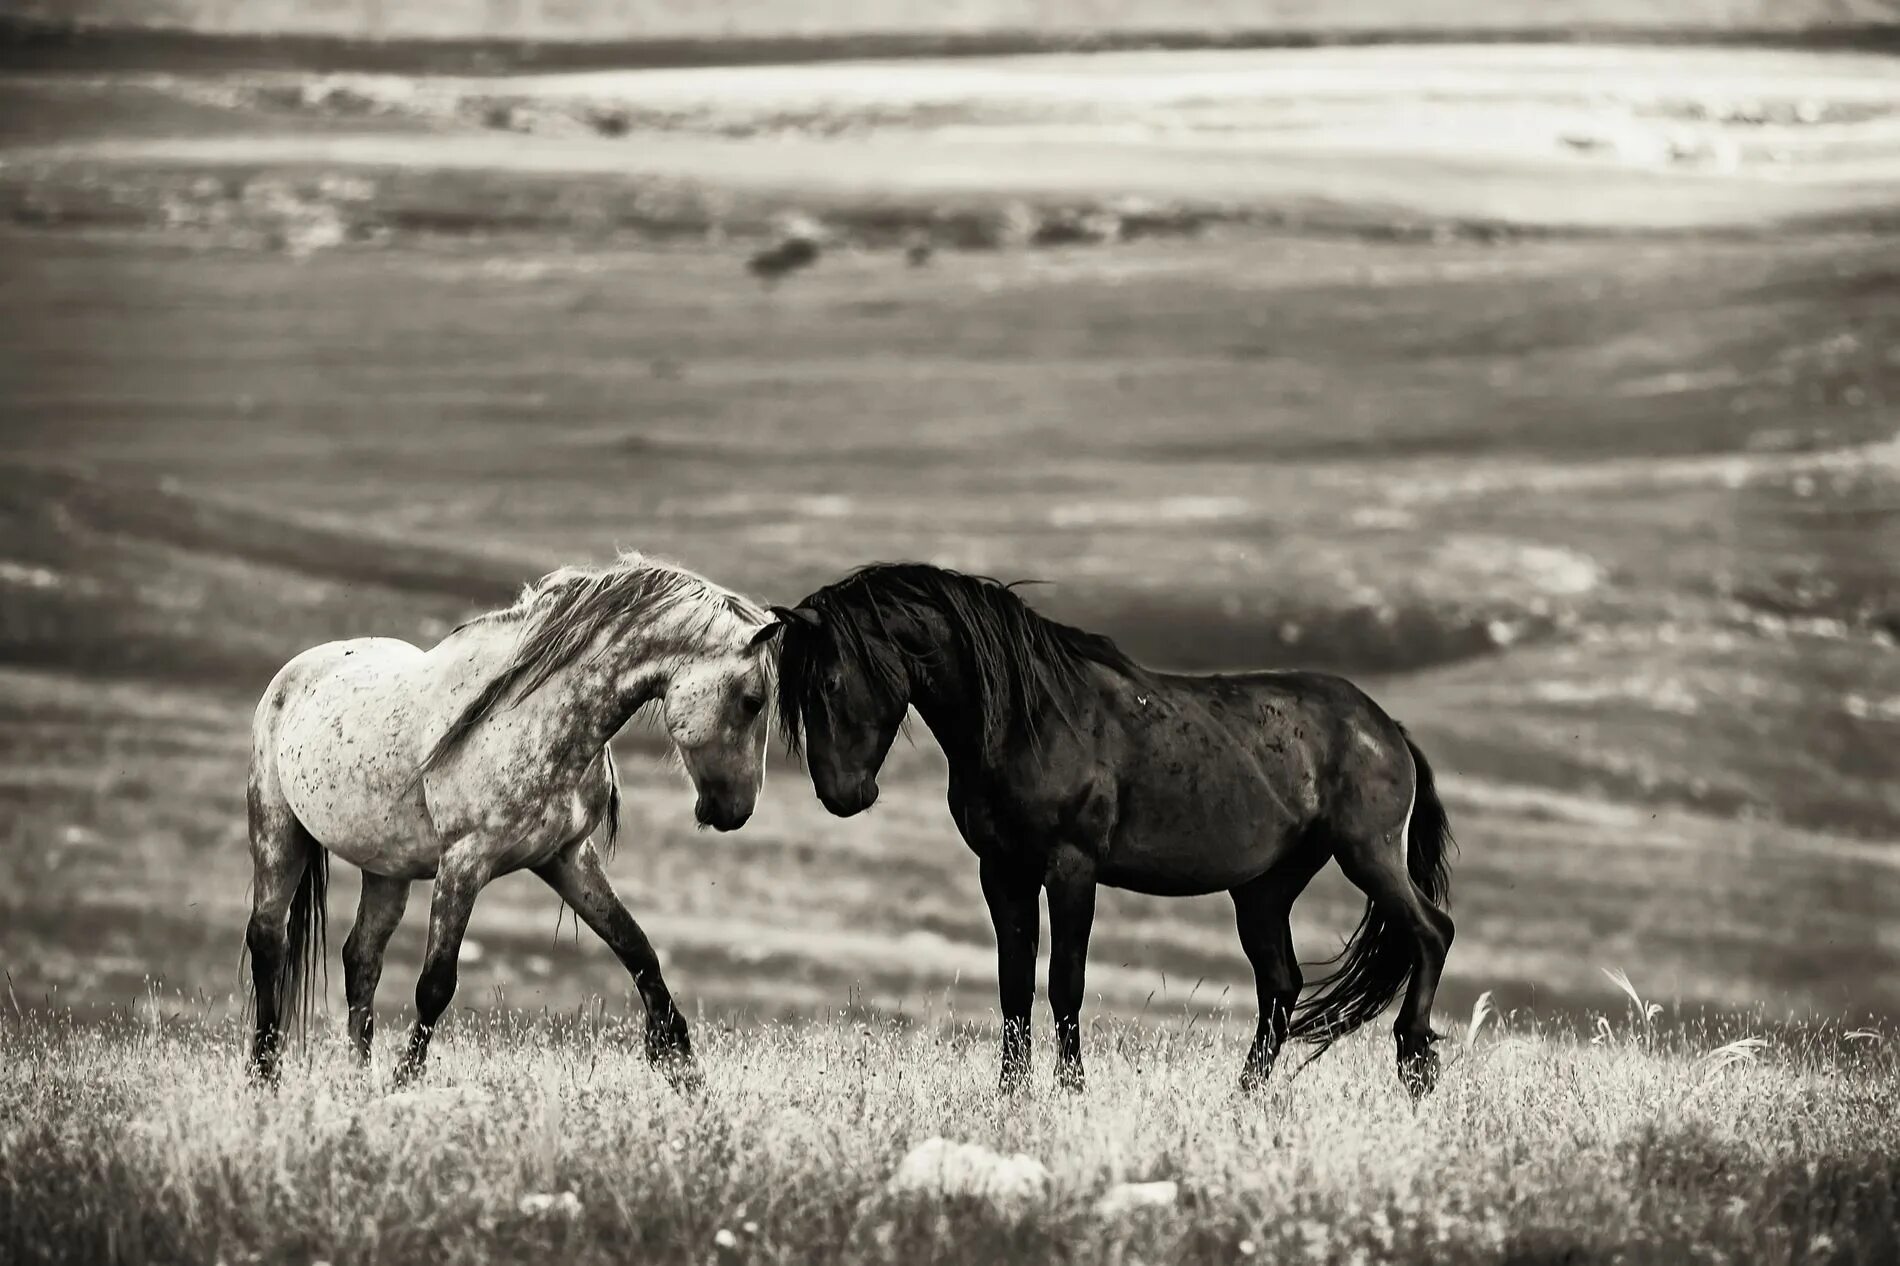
x=1015 y=658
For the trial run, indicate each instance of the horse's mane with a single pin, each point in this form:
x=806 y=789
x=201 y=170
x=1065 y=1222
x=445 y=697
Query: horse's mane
x=1017 y=659
x=564 y=611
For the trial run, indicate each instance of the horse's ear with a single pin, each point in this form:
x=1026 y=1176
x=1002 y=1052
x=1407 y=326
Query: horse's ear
x=804 y=615
x=766 y=633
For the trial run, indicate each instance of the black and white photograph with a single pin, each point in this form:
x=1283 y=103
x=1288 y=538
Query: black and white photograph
x=998 y=632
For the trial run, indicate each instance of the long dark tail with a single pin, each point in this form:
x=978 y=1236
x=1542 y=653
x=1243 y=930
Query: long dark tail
x=1377 y=961
x=307 y=948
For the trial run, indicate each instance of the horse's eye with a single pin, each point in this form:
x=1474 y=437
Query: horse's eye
x=752 y=705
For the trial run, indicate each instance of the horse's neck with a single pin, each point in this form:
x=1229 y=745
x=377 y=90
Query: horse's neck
x=583 y=704
x=595 y=710
x=947 y=702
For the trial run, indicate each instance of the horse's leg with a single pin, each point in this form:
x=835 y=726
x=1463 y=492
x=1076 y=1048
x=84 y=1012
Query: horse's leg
x=377 y=914
x=1011 y=895
x=1262 y=910
x=1376 y=862
x=280 y=850
x=462 y=873
x=1071 y=883
x=582 y=883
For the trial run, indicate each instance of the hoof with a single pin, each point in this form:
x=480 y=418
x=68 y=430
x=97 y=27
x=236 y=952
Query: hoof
x=670 y=1053
x=1257 y=1068
x=668 y=1041
x=1071 y=1078
x=682 y=1073
x=267 y=1057
x=1013 y=1080
x=1418 y=1067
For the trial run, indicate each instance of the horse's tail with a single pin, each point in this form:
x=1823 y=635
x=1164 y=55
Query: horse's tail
x=612 y=816
x=1379 y=957
x=307 y=944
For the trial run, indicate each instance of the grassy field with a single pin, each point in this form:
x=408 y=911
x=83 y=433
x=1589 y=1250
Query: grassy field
x=1608 y=515
x=549 y=1138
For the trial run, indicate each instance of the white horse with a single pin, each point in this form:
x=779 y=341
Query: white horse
x=485 y=755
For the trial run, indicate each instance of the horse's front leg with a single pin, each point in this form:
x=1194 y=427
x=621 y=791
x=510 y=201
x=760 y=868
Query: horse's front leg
x=463 y=872
x=582 y=883
x=1071 y=883
x=1011 y=894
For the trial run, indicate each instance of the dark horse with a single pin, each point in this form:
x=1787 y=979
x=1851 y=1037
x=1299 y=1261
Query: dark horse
x=1071 y=766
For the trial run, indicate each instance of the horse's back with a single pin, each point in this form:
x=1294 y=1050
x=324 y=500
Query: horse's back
x=336 y=677
x=1223 y=773
x=343 y=725
x=1320 y=723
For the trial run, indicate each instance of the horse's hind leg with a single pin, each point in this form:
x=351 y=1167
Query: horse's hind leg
x=580 y=880
x=280 y=850
x=377 y=914
x=1377 y=863
x=1263 y=910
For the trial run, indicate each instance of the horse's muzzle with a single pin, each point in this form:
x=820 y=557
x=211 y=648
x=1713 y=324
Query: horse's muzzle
x=854 y=800
x=720 y=816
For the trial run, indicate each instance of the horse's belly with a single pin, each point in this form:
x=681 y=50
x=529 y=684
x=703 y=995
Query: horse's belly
x=1179 y=846
x=346 y=753
x=1175 y=871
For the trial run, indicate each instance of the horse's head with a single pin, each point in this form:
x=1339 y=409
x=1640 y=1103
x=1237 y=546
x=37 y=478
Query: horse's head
x=982 y=668
x=843 y=695
x=715 y=709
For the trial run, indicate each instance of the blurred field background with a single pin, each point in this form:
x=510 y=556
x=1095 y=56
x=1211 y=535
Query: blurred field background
x=1550 y=392
x=753 y=19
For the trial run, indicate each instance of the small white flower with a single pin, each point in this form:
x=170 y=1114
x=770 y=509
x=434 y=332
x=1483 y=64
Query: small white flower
x=725 y=1239
x=1247 y=1248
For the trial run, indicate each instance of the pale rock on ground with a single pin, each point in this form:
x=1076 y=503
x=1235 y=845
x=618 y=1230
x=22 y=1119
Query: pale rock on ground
x=541 y=1204
x=432 y=1099
x=940 y=1167
x=1126 y=1197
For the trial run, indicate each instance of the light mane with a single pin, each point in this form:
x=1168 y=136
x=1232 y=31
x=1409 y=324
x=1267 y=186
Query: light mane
x=565 y=611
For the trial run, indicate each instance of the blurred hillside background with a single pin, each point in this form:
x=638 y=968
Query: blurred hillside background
x=1549 y=389
x=1088 y=19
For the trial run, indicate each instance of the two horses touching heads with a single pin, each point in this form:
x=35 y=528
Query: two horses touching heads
x=1071 y=765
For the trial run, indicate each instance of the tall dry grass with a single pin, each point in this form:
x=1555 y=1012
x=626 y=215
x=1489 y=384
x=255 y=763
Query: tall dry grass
x=142 y=1141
